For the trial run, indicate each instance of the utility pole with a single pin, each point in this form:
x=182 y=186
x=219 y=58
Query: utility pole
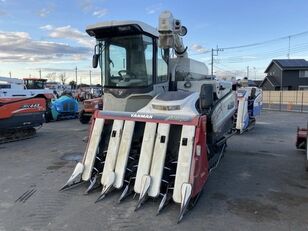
x=40 y=73
x=76 y=76
x=10 y=73
x=247 y=72
x=90 y=77
x=254 y=68
x=212 y=60
x=289 y=49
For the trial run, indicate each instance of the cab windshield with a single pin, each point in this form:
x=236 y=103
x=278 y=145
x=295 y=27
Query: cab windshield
x=34 y=83
x=127 y=61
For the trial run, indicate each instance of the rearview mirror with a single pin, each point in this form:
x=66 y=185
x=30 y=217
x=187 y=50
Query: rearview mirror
x=206 y=98
x=95 y=60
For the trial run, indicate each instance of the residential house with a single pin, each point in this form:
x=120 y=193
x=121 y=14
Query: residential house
x=286 y=74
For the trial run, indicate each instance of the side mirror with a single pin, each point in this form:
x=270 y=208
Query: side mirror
x=95 y=60
x=206 y=98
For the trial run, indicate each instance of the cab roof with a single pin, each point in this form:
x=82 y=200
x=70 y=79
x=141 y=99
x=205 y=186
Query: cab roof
x=107 y=29
x=34 y=79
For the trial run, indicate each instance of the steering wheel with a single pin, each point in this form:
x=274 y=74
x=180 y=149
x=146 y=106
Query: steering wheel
x=129 y=73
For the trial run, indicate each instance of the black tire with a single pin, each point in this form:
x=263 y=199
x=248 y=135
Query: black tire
x=83 y=118
x=48 y=116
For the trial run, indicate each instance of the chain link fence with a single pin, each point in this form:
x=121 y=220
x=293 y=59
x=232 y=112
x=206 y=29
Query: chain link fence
x=296 y=101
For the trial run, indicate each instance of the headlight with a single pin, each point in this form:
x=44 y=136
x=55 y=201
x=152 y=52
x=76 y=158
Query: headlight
x=96 y=106
x=58 y=108
x=166 y=108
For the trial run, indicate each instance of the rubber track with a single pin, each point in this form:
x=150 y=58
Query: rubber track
x=17 y=135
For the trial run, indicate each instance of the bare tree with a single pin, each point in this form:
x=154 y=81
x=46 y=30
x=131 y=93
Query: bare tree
x=62 y=77
x=51 y=76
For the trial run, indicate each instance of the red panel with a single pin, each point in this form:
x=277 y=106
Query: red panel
x=170 y=120
x=199 y=169
x=49 y=95
x=302 y=133
x=21 y=106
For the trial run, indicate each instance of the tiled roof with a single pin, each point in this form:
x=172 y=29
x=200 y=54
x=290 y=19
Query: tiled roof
x=287 y=64
x=273 y=81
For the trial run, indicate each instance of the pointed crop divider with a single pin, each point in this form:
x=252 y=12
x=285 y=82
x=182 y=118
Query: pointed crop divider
x=107 y=187
x=75 y=178
x=186 y=195
x=164 y=202
x=93 y=182
x=124 y=194
x=128 y=190
x=146 y=182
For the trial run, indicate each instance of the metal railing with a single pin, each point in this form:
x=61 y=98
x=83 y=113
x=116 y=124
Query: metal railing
x=296 y=101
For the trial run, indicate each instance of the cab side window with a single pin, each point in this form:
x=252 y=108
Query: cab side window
x=162 y=69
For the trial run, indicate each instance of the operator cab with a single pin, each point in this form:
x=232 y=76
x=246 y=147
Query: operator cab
x=131 y=62
x=32 y=83
x=127 y=54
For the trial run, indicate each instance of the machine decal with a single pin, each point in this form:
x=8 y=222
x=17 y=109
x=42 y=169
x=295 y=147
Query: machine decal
x=144 y=116
x=36 y=105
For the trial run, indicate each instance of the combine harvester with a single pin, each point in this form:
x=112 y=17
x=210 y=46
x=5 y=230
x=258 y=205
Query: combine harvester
x=165 y=122
x=27 y=87
x=21 y=109
x=249 y=106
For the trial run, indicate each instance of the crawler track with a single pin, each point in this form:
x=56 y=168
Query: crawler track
x=16 y=135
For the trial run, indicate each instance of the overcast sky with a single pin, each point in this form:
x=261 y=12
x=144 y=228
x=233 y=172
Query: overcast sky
x=49 y=35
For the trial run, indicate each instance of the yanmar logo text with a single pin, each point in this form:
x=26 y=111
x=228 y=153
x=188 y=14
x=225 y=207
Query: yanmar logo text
x=34 y=105
x=144 y=116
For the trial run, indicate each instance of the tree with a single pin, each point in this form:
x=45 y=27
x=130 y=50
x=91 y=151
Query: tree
x=62 y=77
x=83 y=85
x=73 y=84
x=51 y=76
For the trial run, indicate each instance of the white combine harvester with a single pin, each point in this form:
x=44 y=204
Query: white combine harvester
x=27 y=87
x=165 y=120
x=249 y=106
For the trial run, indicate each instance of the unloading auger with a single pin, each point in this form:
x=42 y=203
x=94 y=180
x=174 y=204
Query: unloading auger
x=165 y=120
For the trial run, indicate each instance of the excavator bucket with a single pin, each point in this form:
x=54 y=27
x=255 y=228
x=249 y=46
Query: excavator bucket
x=153 y=155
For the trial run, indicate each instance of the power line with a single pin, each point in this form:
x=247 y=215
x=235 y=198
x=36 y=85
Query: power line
x=249 y=57
x=258 y=43
x=266 y=41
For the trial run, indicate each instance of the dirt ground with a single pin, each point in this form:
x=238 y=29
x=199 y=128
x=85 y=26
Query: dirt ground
x=260 y=184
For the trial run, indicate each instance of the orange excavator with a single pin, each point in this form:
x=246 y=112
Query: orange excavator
x=19 y=117
x=21 y=111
